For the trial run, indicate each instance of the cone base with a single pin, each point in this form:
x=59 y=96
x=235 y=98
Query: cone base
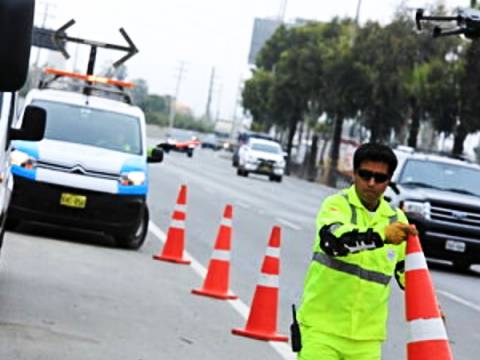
x=171 y=259
x=214 y=294
x=259 y=335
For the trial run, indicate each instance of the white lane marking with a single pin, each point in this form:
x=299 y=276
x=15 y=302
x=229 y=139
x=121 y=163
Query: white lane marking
x=281 y=348
x=242 y=205
x=459 y=300
x=288 y=224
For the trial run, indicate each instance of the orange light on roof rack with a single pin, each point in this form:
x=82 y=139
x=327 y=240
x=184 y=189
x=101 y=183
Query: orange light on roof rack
x=89 y=78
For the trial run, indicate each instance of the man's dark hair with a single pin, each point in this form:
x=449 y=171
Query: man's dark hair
x=375 y=152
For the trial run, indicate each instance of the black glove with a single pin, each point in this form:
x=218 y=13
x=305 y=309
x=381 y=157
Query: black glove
x=349 y=243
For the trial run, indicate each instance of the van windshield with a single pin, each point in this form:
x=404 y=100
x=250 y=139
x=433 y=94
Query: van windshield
x=88 y=126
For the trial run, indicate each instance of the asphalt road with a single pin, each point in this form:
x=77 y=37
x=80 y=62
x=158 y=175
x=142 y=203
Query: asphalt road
x=67 y=295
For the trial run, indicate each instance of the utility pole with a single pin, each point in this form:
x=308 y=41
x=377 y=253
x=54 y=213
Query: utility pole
x=234 y=117
x=282 y=11
x=219 y=102
x=173 y=99
x=357 y=16
x=46 y=15
x=210 y=92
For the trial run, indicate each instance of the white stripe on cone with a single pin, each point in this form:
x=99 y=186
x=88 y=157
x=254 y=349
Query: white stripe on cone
x=226 y=222
x=180 y=208
x=415 y=261
x=268 y=280
x=427 y=329
x=223 y=255
x=177 y=224
x=273 y=252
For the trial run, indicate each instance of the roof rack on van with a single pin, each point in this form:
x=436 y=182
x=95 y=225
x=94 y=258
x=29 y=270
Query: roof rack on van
x=104 y=83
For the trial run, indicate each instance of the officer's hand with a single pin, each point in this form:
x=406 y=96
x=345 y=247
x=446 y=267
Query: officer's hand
x=397 y=232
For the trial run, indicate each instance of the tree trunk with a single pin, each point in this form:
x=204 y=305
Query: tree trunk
x=312 y=159
x=459 y=139
x=291 y=134
x=308 y=151
x=414 y=126
x=331 y=170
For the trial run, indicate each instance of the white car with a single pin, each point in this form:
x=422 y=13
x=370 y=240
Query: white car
x=259 y=156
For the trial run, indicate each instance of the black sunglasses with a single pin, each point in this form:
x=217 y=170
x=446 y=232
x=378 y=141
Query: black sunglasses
x=378 y=177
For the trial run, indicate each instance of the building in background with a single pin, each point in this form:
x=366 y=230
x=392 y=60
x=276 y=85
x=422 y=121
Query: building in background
x=263 y=29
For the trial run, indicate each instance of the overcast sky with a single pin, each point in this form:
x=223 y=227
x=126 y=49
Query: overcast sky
x=202 y=33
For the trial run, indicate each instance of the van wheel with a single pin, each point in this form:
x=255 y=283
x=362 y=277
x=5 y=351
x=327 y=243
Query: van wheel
x=11 y=223
x=137 y=236
x=190 y=153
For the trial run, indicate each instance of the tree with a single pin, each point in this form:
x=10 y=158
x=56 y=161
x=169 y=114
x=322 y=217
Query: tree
x=140 y=93
x=469 y=120
x=256 y=97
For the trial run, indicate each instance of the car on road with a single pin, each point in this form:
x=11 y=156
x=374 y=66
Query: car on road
x=441 y=196
x=181 y=140
x=242 y=139
x=260 y=156
x=210 y=141
x=90 y=171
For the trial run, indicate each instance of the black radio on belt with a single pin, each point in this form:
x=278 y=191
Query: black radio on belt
x=295 y=335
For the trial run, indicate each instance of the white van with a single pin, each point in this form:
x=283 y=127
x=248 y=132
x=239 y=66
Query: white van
x=90 y=171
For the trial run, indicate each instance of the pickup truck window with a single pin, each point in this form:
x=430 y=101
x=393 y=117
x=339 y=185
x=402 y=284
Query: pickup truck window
x=444 y=176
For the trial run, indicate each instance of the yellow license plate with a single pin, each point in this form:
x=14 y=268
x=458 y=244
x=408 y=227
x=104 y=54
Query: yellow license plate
x=72 y=200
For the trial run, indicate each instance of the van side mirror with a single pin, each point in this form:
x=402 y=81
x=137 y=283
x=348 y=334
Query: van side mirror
x=33 y=125
x=16 y=22
x=156 y=156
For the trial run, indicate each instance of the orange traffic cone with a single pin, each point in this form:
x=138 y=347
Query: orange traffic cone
x=262 y=320
x=173 y=249
x=428 y=338
x=216 y=281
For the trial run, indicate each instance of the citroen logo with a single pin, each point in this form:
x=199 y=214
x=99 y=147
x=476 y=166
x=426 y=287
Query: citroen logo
x=459 y=215
x=77 y=169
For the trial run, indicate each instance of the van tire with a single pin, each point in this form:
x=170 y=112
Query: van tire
x=136 y=238
x=11 y=223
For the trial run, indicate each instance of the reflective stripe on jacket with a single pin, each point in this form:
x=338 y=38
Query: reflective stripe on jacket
x=348 y=295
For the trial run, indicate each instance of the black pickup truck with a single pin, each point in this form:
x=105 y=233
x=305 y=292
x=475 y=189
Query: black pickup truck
x=441 y=196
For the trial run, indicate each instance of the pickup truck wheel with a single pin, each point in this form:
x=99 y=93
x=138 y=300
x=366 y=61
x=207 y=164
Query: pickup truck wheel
x=137 y=236
x=463 y=266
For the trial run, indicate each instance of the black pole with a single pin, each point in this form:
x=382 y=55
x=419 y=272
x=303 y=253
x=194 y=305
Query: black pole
x=90 y=69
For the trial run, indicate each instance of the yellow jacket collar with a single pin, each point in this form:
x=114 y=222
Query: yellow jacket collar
x=384 y=207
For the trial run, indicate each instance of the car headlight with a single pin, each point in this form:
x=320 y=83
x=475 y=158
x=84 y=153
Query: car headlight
x=22 y=159
x=133 y=178
x=281 y=163
x=417 y=208
x=251 y=158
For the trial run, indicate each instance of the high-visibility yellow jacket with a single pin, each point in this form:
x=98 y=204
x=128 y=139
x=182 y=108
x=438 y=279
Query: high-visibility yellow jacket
x=348 y=295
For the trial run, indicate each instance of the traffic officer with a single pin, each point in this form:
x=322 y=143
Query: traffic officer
x=360 y=246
